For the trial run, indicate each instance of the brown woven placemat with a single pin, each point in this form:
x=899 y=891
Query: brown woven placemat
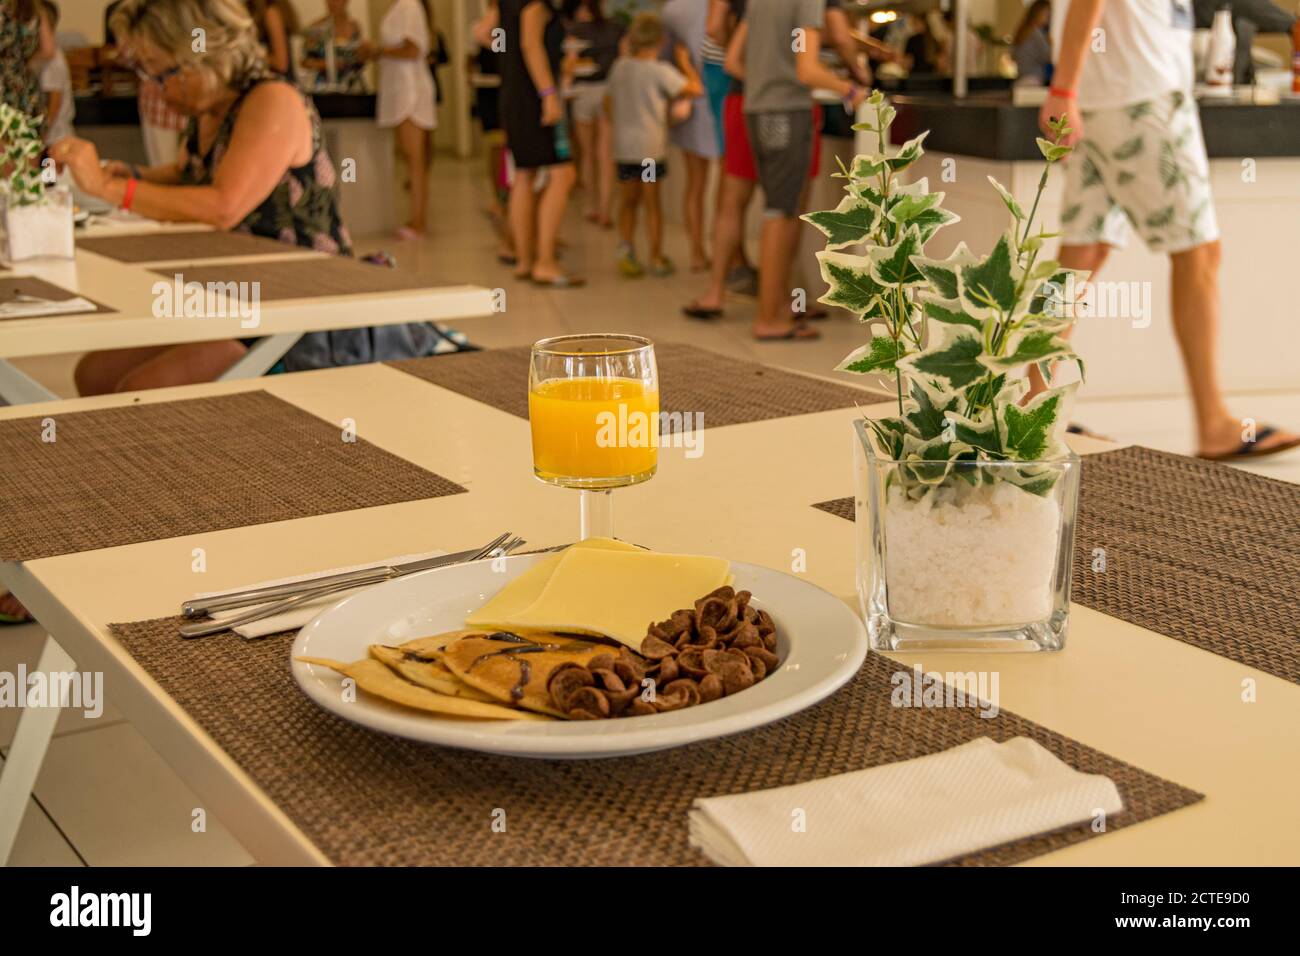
x=12 y=286
x=364 y=798
x=727 y=390
x=1200 y=552
x=182 y=246
x=307 y=278
x=135 y=473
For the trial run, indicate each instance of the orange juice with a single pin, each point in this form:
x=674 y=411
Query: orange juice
x=594 y=432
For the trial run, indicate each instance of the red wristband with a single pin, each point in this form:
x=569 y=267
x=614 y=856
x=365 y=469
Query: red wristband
x=129 y=196
x=1063 y=94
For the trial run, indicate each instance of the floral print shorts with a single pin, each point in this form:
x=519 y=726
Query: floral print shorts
x=1141 y=167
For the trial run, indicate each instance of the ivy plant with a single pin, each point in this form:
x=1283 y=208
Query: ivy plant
x=955 y=335
x=21 y=179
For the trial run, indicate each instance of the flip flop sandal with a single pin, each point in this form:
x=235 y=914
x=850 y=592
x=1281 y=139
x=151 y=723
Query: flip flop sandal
x=700 y=312
x=816 y=313
x=799 y=333
x=1076 y=429
x=506 y=260
x=1251 y=449
x=561 y=282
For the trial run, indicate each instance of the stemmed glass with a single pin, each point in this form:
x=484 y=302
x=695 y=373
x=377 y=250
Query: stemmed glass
x=593 y=404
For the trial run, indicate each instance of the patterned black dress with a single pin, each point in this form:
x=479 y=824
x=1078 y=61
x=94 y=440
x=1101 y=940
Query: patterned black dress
x=303 y=209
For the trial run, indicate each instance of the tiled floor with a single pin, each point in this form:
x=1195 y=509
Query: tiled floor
x=104 y=797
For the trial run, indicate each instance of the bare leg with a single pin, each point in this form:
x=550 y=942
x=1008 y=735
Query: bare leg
x=412 y=139
x=604 y=160
x=780 y=239
x=550 y=214
x=186 y=364
x=738 y=258
x=1195 y=306
x=697 y=178
x=523 y=220
x=629 y=196
x=98 y=373
x=654 y=217
x=12 y=608
x=778 y=248
x=584 y=135
x=728 y=230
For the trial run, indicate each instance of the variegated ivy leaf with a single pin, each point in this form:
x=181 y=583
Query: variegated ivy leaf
x=928 y=412
x=1035 y=431
x=981 y=394
x=924 y=213
x=954 y=357
x=1035 y=479
x=1055 y=290
x=892 y=265
x=991 y=281
x=878 y=355
x=949 y=311
x=930 y=461
x=866 y=192
x=851 y=222
x=868 y=166
x=908 y=153
x=978 y=433
x=1051 y=151
x=889 y=434
x=1008 y=200
x=945 y=274
x=1029 y=347
x=851 y=284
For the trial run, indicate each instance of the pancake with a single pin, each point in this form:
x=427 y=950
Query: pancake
x=418 y=669
x=375 y=678
x=516 y=670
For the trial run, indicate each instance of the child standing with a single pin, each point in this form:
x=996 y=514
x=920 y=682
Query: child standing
x=641 y=88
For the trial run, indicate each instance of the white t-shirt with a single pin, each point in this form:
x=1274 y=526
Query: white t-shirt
x=405 y=86
x=55 y=78
x=1143 y=50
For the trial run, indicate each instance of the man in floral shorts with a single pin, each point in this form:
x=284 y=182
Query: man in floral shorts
x=1123 y=81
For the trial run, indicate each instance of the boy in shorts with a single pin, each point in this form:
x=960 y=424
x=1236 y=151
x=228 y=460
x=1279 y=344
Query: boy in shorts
x=641 y=88
x=1140 y=164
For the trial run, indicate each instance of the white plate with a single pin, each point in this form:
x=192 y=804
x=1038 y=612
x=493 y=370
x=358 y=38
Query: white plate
x=821 y=643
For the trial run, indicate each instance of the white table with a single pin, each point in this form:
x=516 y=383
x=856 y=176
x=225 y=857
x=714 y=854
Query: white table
x=127 y=289
x=1162 y=705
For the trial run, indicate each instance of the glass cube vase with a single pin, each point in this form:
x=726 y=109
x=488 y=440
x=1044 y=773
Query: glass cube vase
x=968 y=556
x=37 y=230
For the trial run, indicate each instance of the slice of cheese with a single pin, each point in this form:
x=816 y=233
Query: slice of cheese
x=618 y=594
x=523 y=591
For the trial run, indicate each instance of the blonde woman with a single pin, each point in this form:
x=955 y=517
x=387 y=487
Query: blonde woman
x=253 y=160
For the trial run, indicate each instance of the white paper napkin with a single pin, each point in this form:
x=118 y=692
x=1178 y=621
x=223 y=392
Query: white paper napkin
x=22 y=309
x=303 y=613
x=926 y=810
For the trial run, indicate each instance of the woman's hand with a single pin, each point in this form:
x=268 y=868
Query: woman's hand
x=118 y=168
x=552 y=109
x=81 y=156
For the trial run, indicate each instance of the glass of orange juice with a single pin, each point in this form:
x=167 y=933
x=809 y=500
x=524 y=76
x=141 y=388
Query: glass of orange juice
x=593 y=404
